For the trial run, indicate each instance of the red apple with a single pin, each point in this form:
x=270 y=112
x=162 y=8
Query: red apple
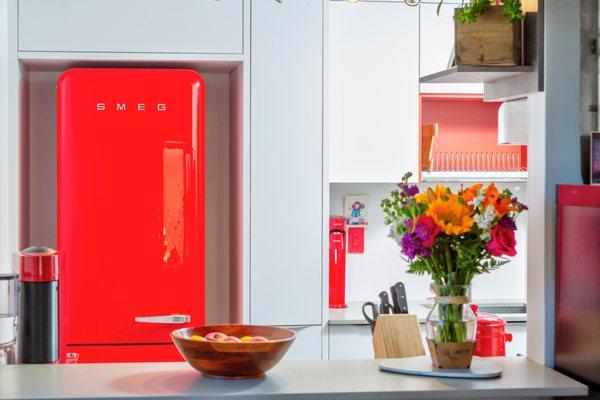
x=216 y=337
x=231 y=339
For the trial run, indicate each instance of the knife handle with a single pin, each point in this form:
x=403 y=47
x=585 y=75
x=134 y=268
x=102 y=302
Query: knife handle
x=385 y=307
x=399 y=296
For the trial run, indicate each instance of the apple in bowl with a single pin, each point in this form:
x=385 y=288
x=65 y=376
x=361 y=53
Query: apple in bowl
x=233 y=351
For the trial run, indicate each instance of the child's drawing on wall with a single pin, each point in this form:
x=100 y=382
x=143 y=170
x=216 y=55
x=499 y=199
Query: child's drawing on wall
x=355 y=209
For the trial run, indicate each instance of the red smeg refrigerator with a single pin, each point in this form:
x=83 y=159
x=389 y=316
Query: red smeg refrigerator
x=130 y=211
x=577 y=330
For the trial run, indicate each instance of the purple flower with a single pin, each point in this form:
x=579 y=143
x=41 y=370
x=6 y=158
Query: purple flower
x=412 y=190
x=413 y=247
x=423 y=232
x=508 y=223
x=408 y=190
x=516 y=201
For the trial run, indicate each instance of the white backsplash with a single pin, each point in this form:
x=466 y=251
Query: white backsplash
x=380 y=265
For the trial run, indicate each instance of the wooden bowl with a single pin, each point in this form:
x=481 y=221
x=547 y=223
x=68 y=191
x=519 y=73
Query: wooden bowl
x=233 y=360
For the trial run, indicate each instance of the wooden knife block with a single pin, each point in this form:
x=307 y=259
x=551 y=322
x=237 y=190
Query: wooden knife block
x=397 y=336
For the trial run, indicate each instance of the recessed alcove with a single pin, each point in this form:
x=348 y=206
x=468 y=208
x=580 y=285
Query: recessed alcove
x=224 y=116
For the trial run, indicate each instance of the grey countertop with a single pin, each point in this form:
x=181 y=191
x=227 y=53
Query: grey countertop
x=503 y=307
x=347 y=379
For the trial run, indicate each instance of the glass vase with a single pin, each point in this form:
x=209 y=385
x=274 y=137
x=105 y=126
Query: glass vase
x=451 y=327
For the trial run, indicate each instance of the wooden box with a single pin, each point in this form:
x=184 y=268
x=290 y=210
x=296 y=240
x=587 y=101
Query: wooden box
x=490 y=40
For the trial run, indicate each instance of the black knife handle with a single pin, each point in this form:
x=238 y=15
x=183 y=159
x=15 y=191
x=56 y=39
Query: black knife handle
x=385 y=307
x=399 y=297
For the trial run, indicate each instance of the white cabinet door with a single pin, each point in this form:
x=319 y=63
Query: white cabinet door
x=136 y=26
x=286 y=157
x=374 y=91
x=518 y=345
x=436 y=39
x=350 y=342
x=307 y=345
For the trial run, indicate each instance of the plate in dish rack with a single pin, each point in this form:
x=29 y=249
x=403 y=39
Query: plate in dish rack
x=422 y=365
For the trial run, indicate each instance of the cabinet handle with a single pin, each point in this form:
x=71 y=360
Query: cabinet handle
x=164 y=319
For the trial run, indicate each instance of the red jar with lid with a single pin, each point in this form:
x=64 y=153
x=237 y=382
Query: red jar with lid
x=491 y=335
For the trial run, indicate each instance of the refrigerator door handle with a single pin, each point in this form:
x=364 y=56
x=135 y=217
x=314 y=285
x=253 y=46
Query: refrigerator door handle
x=164 y=319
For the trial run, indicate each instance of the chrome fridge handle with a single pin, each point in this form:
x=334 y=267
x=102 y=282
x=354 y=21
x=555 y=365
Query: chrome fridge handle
x=164 y=319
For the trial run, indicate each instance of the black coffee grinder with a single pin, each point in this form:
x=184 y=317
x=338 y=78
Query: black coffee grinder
x=38 y=311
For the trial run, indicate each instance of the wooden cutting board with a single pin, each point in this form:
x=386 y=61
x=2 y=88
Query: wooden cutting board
x=480 y=368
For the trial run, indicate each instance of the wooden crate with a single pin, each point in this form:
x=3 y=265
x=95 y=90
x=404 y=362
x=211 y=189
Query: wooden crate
x=490 y=40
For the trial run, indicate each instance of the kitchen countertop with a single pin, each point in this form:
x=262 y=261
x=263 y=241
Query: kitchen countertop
x=352 y=315
x=331 y=379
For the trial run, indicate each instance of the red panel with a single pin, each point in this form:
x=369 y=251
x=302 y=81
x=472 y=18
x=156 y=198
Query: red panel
x=577 y=348
x=356 y=240
x=466 y=124
x=130 y=202
x=578 y=195
x=124 y=353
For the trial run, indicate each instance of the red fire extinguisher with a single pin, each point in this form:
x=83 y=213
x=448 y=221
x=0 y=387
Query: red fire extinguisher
x=337 y=262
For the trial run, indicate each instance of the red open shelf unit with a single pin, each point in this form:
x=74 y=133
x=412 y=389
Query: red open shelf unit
x=468 y=127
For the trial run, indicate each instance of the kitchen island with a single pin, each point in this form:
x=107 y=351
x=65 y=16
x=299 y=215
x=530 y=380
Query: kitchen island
x=332 y=379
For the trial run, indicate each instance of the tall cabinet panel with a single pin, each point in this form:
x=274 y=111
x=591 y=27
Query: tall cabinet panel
x=374 y=91
x=286 y=157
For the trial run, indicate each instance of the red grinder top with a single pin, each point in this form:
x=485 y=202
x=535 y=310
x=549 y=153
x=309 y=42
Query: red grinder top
x=38 y=264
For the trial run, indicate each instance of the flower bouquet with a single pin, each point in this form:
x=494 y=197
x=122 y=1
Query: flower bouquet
x=452 y=237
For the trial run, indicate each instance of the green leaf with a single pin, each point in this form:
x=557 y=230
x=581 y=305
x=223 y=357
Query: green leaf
x=439 y=7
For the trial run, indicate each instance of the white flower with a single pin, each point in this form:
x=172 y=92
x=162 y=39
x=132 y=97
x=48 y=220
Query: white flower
x=484 y=221
x=478 y=199
x=394 y=234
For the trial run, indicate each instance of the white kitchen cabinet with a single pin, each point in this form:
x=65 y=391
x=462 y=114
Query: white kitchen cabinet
x=518 y=346
x=350 y=342
x=307 y=345
x=286 y=162
x=374 y=91
x=135 y=26
x=436 y=40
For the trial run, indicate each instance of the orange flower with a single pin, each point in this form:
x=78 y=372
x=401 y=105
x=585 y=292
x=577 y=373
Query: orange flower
x=504 y=205
x=491 y=196
x=439 y=192
x=469 y=194
x=452 y=217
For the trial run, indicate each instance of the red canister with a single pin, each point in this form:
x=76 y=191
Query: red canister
x=491 y=335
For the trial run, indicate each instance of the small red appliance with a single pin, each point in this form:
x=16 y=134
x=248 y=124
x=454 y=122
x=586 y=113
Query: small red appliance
x=130 y=211
x=38 y=305
x=491 y=334
x=337 y=262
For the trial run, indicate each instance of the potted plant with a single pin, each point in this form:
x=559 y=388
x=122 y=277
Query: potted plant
x=452 y=237
x=487 y=33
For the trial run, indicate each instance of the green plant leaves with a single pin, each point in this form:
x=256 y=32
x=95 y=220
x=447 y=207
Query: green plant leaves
x=467 y=14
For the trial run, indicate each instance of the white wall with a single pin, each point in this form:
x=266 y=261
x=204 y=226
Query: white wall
x=380 y=266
